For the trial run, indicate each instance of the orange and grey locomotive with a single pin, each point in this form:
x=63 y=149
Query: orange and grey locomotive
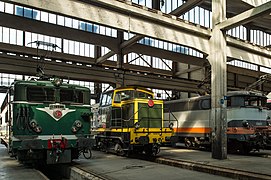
x=248 y=127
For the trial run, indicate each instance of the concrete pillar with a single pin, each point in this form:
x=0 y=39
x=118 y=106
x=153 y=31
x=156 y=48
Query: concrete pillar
x=218 y=59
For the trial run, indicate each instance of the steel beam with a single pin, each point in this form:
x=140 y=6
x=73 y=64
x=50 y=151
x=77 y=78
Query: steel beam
x=39 y=27
x=127 y=17
x=123 y=45
x=190 y=4
x=188 y=71
x=133 y=19
x=170 y=55
x=20 y=50
x=254 y=3
x=133 y=40
x=245 y=51
x=29 y=25
x=246 y=16
x=26 y=65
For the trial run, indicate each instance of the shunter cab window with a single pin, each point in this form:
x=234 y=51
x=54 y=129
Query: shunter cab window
x=143 y=95
x=123 y=95
x=106 y=99
x=130 y=94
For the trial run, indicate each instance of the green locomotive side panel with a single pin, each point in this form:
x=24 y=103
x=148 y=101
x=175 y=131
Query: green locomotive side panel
x=150 y=117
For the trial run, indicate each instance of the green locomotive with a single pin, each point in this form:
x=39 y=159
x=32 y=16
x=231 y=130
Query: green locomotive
x=47 y=121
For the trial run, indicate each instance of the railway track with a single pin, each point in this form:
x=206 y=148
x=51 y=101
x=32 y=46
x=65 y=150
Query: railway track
x=77 y=170
x=211 y=169
x=80 y=173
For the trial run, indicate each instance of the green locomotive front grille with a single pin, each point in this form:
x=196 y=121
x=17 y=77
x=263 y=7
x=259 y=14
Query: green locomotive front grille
x=50 y=127
x=150 y=117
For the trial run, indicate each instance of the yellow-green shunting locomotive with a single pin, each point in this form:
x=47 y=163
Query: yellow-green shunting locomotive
x=48 y=121
x=130 y=121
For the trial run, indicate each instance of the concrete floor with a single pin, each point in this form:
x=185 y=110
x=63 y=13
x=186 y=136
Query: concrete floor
x=257 y=162
x=11 y=169
x=122 y=168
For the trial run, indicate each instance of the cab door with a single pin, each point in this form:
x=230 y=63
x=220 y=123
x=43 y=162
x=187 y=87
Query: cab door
x=105 y=110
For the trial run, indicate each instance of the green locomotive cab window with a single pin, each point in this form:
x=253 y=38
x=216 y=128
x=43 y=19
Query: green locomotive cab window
x=71 y=96
x=40 y=94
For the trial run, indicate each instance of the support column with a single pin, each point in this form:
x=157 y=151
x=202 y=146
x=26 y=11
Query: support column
x=218 y=61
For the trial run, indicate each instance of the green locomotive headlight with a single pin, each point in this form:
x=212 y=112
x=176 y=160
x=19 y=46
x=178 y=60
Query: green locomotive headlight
x=38 y=129
x=33 y=123
x=78 y=124
x=74 y=129
x=57 y=82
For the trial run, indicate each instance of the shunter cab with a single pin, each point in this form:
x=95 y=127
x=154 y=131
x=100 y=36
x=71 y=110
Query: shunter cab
x=130 y=120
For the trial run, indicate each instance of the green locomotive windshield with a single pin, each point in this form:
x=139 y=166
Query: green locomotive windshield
x=70 y=95
x=46 y=92
x=40 y=94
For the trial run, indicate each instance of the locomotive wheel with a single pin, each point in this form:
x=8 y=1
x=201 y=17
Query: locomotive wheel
x=187 y=142
x=102 y=147
x=155 y=149
x=87 y=153
x=152 y=150
x=118 y=149
x=244 y=148
x=239 y=147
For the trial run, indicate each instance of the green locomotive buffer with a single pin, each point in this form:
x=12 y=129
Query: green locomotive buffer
x=48 y=121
